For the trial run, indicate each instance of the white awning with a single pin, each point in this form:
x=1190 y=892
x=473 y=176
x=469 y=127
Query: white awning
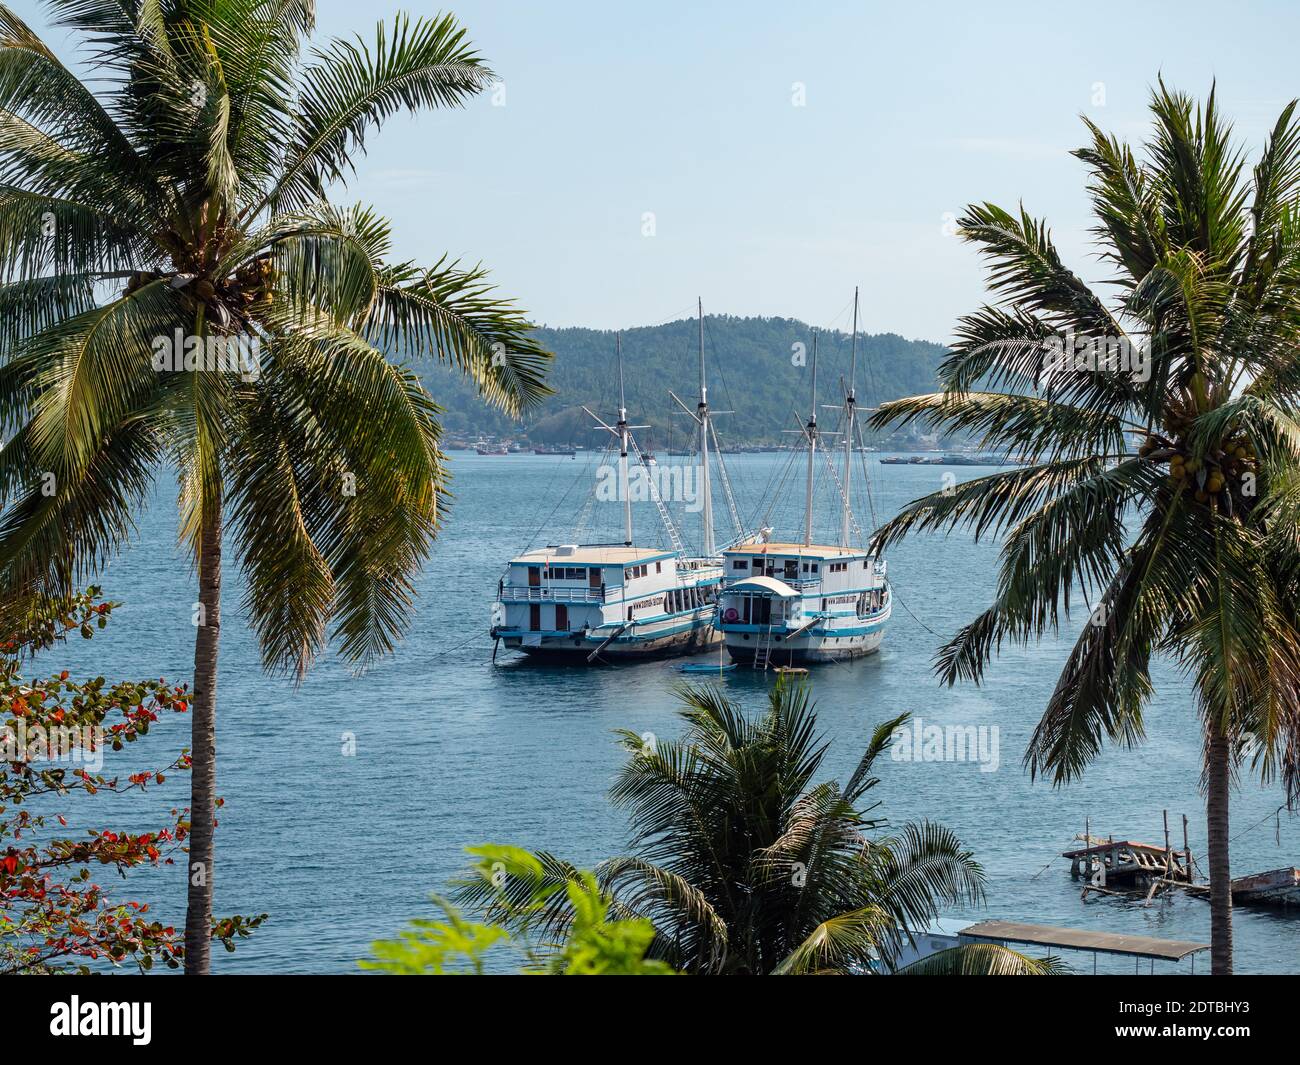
x=765 y=584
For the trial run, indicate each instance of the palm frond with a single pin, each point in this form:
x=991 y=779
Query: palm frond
x=984 y=959
x=351 y=87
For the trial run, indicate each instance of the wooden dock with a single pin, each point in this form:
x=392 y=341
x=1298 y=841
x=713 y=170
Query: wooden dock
x=1129 y=866
x=1126 y=867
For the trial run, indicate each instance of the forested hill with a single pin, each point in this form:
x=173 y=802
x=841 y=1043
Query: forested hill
x=752 y=369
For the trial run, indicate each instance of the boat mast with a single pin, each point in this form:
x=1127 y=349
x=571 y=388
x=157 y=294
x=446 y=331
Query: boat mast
x=702 y=412
x=850 y=403
x=811 y=432
x=623 y=442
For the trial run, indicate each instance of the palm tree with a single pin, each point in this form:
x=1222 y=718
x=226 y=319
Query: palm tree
x=184 y=206
x=744 y=866
x=1161 y=445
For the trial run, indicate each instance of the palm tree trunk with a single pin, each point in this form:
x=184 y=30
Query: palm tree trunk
x=1216 y=815
x=203 y=776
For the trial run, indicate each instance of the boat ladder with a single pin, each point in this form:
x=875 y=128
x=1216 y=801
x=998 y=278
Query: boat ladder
x=678 y=546
x=763 y=653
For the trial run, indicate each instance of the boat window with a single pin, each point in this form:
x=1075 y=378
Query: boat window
x=814 y=567
x=659 y=567
x=740 y=563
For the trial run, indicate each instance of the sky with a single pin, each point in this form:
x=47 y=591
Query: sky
x=769 y=156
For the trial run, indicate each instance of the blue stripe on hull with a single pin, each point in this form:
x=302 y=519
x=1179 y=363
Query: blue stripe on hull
x=687 y=637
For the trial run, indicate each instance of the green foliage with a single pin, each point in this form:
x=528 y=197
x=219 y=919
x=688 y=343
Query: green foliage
x=1163 y=495
x=436 y=948
x=1164 y=499
x=597 y=946
x=594 y=945
x=185 y=197
x=741 y=863
x=750 y=371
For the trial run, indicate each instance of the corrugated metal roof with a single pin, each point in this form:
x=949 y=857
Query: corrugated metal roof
x=1043 y=935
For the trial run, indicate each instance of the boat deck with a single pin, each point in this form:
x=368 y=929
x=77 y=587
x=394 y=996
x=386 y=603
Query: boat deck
x=594 y=555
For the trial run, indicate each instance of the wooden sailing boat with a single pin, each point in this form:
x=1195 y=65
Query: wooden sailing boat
x=613 y=602
x=787 y=603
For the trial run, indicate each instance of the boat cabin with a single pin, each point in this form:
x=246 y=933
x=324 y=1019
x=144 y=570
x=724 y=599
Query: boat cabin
x=784 y=585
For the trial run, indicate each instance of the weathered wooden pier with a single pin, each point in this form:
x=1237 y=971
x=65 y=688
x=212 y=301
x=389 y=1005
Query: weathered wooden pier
x=1126 y=867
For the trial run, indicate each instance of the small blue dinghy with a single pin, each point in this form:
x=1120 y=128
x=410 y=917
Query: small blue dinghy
x=704 y=667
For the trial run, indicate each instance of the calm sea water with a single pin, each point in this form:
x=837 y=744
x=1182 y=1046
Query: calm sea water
x=452 y=751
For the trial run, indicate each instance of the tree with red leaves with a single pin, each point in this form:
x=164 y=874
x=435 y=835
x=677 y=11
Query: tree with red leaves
x=55 y=736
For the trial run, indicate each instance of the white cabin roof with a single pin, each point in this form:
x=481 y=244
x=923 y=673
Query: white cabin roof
x=597 y=555
x=765 y=584
x=814 y=550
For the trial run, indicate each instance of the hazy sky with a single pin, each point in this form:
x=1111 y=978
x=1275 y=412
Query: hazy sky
x=689 y=111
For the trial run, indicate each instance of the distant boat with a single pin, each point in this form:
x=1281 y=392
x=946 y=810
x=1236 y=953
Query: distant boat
x=556 y=451
x=491 y=449
x=957 y=458
x=977 y=458
x=648 y=459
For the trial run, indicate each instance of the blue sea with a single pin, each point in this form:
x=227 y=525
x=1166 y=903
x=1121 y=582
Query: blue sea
x=451 y=750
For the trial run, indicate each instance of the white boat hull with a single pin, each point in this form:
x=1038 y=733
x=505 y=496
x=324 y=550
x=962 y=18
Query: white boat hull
x=802 y=650
x=673 y=636
x=817 y=645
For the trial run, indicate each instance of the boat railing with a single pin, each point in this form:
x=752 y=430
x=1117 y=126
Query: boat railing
x=536 y=594
x=793 y=582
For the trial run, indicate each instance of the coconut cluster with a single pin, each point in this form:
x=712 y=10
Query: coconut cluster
x=228 y=302
x=1217 y=477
